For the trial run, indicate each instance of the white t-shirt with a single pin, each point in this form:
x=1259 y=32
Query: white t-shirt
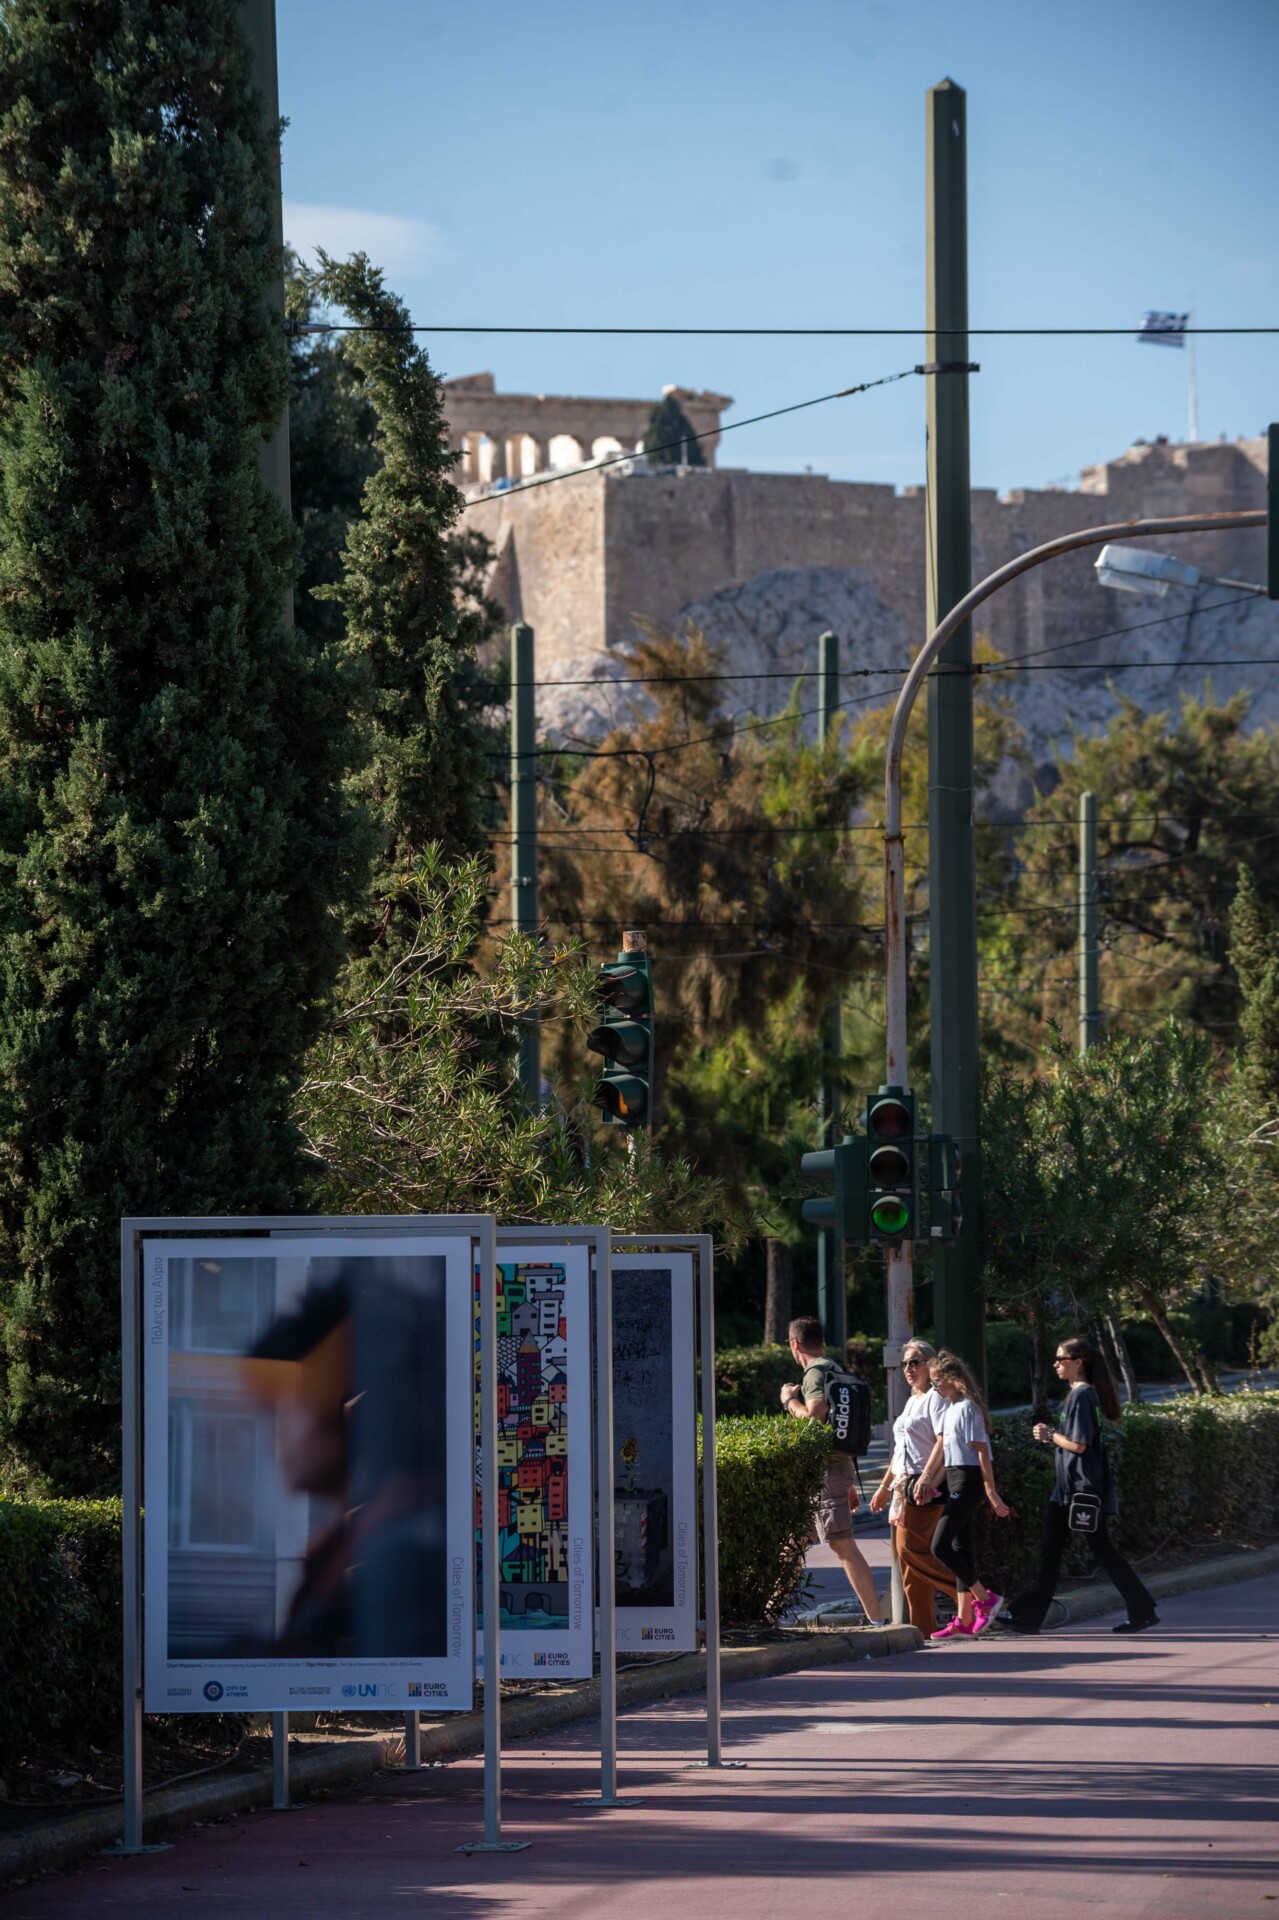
x=962 y=1425
x=915 y=1429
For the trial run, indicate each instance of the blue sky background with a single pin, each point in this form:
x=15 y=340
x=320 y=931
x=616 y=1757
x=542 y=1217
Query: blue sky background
x=710 y=163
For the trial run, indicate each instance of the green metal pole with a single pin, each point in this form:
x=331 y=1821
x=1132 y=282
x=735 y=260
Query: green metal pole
x=832 y=1308
x=958 y=1300
x=524 y=904
x=1089 y=1006
x=258 y=20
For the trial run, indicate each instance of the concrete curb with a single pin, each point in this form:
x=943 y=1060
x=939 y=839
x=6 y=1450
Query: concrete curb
x=339 y=1763
x=342 y=1763
x=1087 y=1602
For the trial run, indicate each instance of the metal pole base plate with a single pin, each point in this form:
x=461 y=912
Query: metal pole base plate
x=607 y=1802
x=120 y=1852
x=717 y=1766
x=493 y=1846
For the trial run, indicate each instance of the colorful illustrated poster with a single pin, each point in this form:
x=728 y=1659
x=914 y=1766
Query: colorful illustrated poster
x=307 y=1435
x=544 y=1462
x=655 y=1453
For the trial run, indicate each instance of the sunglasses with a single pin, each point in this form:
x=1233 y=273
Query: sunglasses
x=916 y=1362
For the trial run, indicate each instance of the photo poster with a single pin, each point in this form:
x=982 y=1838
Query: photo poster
x=544 y=1463
x=654 y=1453
x=307 y=1473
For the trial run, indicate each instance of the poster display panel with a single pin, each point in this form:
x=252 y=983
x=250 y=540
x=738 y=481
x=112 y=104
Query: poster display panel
x=308 y=1449
x=544 y=1462
x=654 y=1453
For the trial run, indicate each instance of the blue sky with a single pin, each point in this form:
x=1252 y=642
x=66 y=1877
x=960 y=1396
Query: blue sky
x=759 y=164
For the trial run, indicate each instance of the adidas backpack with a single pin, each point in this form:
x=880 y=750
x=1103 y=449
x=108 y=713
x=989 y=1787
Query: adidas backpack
x=848 y=1411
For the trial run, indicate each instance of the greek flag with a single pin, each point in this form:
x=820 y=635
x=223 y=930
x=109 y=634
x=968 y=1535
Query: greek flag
x=1163 y=329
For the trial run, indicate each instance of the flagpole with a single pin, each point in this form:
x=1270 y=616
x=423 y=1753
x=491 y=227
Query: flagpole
x=1193 y=394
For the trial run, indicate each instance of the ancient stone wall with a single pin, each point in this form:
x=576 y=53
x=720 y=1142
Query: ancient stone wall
x=582 y=558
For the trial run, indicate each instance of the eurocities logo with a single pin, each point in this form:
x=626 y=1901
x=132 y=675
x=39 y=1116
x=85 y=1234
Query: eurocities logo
x=551 y=1660
x=657 y=1633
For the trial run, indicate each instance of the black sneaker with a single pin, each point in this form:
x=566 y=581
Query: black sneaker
x=1137 y=1626
x=1010 y=1625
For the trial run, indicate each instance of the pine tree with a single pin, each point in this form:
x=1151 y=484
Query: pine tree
x=427 y=775
x=669 y=436
x=173 y=833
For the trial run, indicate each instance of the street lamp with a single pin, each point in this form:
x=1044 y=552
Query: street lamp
x=900 y=1279
x=1136 y=570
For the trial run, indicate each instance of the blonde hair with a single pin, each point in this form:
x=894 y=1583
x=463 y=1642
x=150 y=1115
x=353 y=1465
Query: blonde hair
x=948 y=1366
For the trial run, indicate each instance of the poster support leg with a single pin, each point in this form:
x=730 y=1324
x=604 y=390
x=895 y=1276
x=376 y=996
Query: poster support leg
x=710 y=1506
x=280 y=1762
x=131 y=1543
x=489 y=1556
x=412 y=1743
x=608 y=1795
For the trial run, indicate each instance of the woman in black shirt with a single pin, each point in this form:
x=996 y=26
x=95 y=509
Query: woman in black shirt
x=1082 y=1468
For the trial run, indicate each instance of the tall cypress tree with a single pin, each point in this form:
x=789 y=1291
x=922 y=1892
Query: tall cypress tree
x=173 y=836
x=427 y=775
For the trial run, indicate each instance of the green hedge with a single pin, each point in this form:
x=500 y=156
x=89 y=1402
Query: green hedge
x=60 y=1622
x=1189 y=1470
x=770 y=1471
x=750 y=1379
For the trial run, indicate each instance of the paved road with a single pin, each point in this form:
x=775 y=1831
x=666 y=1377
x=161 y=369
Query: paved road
x=1070 y=1775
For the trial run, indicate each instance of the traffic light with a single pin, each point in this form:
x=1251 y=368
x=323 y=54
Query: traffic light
x=892 y=1184
x=625 y=1038
x=945 y=1210
x=843 y=1212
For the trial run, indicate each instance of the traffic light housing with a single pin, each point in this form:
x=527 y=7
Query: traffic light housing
x=624 y=1093
x=842 y=1212
x=945 y=1207
x=892 y=1174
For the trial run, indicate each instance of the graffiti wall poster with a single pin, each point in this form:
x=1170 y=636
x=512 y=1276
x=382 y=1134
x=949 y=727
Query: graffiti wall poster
x=307 y=1472
x=544 y=1461
x=654 y=1453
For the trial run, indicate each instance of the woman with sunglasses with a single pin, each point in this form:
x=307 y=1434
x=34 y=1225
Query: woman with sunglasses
x=914 y=1431
x=1082 y=1467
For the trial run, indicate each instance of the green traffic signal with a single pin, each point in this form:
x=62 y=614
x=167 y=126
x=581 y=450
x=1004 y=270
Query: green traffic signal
x=892 y=1183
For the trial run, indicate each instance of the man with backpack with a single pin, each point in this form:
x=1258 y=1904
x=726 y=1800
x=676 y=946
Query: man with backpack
x=829 y=1393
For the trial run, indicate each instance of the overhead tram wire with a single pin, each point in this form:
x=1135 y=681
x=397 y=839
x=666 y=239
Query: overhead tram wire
x=296 y=329
x=708 y=433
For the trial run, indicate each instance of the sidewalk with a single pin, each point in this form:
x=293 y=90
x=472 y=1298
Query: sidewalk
x=1076 y=1772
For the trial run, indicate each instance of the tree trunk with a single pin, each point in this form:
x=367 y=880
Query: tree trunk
x=1161 y=1320
x=781 y=1286
x=1127 y=1372
x=1039 y=1365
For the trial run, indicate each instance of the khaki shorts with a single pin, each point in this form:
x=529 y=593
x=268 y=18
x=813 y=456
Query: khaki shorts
x=834 y=1516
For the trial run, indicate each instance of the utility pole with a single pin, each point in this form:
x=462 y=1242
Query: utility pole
x=832 y=1304
x=258 y=20
x=524 y=903
x=959 y=1308
x=1089 y=1010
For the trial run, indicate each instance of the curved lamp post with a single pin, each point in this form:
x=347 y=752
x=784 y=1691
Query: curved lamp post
x=900 y=1302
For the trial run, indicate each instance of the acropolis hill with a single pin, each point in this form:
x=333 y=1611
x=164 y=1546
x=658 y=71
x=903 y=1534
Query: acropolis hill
x=765 y=562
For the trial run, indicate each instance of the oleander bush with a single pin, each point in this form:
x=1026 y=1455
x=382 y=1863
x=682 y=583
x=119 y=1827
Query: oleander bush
x=1189 y=1471
x=769 y=1470
x=60 y=1622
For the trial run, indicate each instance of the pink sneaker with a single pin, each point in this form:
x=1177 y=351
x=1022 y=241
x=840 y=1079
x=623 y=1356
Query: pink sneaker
x=983 y=1614
x=951 y=1632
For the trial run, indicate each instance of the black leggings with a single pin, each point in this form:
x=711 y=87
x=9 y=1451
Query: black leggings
x=951 y=1542
x=1029 y=1608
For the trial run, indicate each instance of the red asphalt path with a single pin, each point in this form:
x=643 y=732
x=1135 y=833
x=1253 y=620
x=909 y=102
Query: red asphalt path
x=1045 y=1778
